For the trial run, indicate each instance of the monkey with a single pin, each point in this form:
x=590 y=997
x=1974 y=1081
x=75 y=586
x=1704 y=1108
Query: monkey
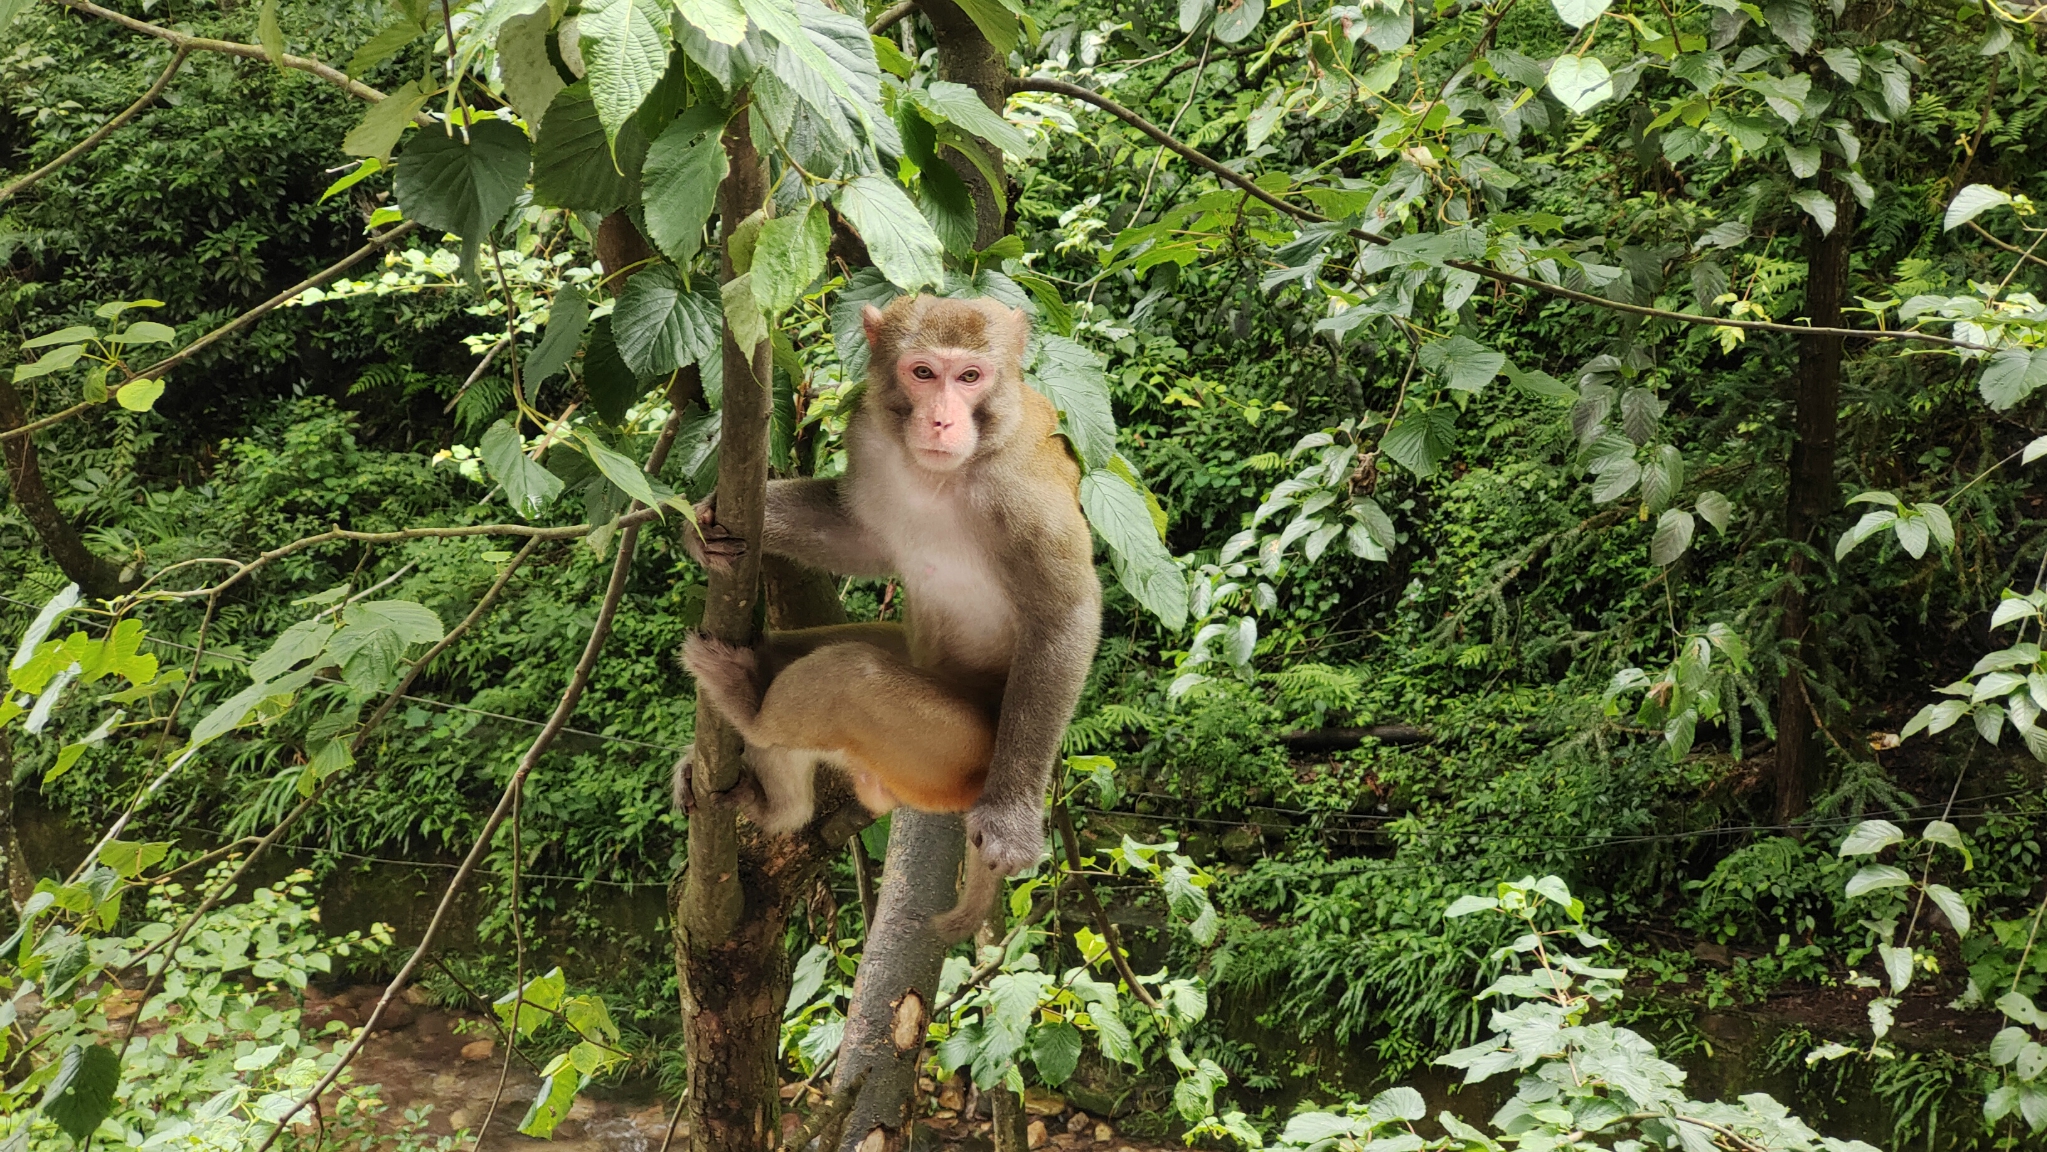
x=957 y=482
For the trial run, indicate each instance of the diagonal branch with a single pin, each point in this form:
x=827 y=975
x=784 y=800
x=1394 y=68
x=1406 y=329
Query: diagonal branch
x=188 y=43
x=892 y=17
x=2022 y=253
x=1227 y=175
x=233 y=326
x=1103 y=924
x=103 y=131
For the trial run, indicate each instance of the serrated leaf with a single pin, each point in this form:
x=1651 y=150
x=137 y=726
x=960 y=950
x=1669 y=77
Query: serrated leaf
x=721 y=21
x=620 y=470
x=378 y=131
x=82 y=1092
x=1420 y=441
x=529 y=488
x=898 y=237
x=2008 y=377
x=961 y=105
x=531 y=79
x=625 y=47
x=463 y=187
x=1070 y=375
x=661 y=324
x=789 y=255
x=1673 y=535
x=567 y=316
x=1119 y=514
x=1714 y=509
x=575 y=162
x=683 y=170
x=1055 y=1051
x=1465 y=364
x=1817 y=205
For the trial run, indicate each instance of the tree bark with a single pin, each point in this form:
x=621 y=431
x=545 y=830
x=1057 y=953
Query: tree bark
x=966 y=57
x=731 y=964
x=1811 y=496
x=898 y=979
x=95 y=574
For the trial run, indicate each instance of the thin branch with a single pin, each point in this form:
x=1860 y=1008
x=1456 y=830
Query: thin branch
x=834 y=1110
x=489 y=1011
x=105 y=130
x=1064 y=818
x=180 y=40
x=228 y=329
x=557 y=532
x=2022 y=253
x=892 y=17
x=482 y=365
x=1224 y=173
x=1039 y=910
x=572 y=695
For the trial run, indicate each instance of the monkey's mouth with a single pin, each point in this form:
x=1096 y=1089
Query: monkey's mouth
x=939 y=457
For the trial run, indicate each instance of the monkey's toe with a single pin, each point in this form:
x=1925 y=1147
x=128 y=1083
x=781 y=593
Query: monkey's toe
x=714 y=660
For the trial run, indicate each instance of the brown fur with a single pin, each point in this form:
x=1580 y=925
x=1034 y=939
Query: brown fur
x=963 y=707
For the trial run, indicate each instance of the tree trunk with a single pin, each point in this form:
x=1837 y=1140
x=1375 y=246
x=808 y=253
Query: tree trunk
x=728 y=941
x=96 y=575
x=898 y=980
x=21 y=883
x=966 y=57
x=1811 y=496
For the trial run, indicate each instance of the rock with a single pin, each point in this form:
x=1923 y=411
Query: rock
x=121 y=1004
x=1043 y=1102
x=482 y=1049
x=926 y=1085
x=417 y=997
x=1719 y=955
x=1079 y=1123
x=397 y=1014
x=1241 y=843
x=953 y=1095
x=460 y=1118
x=582 y=1109
x=1035 y=1136
x=1104 y=1133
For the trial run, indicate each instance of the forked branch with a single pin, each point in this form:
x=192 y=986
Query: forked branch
x=103 y=131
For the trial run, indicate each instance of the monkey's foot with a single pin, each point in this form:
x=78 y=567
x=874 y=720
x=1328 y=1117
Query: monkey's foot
x=725 y=676
x=1010 y=837
x=745 y=796
x=710 y=543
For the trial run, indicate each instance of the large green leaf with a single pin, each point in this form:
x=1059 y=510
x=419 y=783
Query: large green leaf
x=551 y=1104
x=961 y=105
x=1421 y=440
x=528 y=486
x=1055 y=1050
x=576 y=165
x=1465 y=364
x=459 y=186
x=9 y=9
x=1071 y=377
x=1235 y=19
x=995 y=21
x=789 y=255
x=531 y=79
x=611 y=385
x=721 y=21
x=1122 y=516
x=898 y=237
x=684 y=168
x=82 y=1093
x=386 y=120
x=1580 y=82
x=625 y=46
x=1579 y=13
x=567 y=316
x=661 y=324
x=866 y=286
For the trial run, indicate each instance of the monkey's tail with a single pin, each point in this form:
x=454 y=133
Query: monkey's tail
x=980 y=891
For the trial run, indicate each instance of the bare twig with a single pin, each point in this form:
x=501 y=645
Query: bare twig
x=1041 y=909
x=833 y=1111
x=228 y=329
x=1224 y=173
x=188 y=43
x=482 y=366
x=103 y=131
x=489 y=1011
x=1064 y=818
x=2022 y=253
x=889 y=18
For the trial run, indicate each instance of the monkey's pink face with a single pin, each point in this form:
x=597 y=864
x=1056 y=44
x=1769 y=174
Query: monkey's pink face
x=945 y=387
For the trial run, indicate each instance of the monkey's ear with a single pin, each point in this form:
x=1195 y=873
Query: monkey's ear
x=870 y=321
x=1019 y=331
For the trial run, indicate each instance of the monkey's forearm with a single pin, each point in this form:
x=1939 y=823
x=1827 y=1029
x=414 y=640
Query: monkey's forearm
x=807 y=523
x=1044 y=685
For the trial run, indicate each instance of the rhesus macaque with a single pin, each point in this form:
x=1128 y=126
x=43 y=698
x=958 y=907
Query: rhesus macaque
x=958 y=482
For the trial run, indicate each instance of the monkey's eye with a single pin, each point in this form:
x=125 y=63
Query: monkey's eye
x=922 y=372
x=971 y=376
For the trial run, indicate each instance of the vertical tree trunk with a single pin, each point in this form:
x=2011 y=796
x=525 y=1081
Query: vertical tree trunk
x=728 y=941
x=1811 y=496
x=95 y=574
x=966 y=57
x=898 y=980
